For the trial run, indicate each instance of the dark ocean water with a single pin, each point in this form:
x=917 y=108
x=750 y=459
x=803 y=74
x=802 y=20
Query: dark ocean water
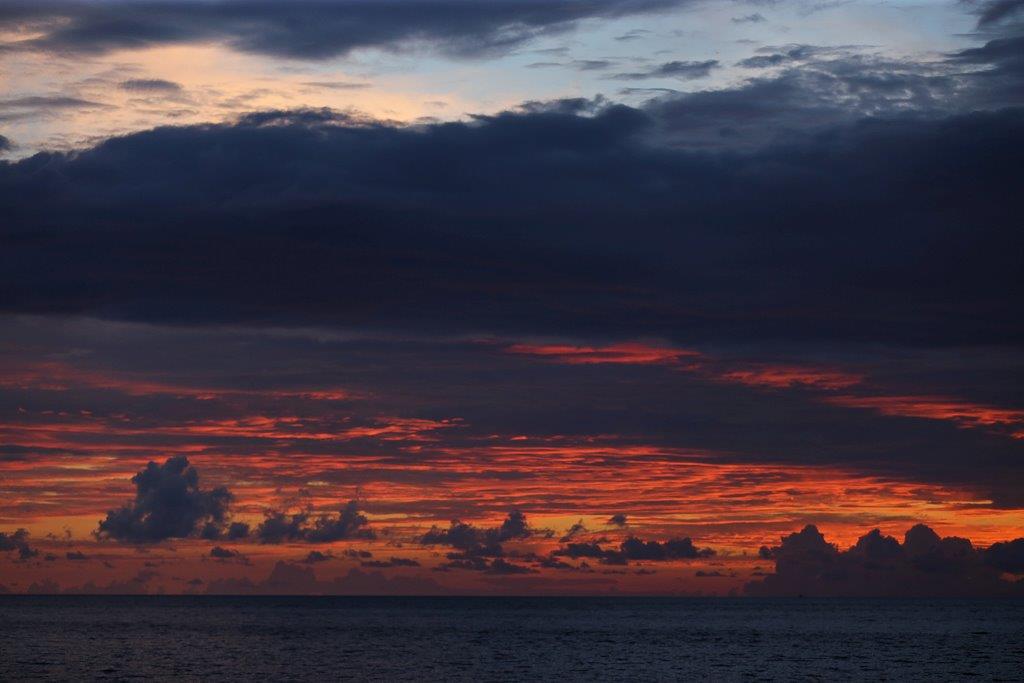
x=508 y=639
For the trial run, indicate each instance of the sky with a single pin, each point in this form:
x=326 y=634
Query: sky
x=533 y=297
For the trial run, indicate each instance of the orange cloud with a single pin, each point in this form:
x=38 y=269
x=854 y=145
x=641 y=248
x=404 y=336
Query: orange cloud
x=962 y=413
x=786 y=376
x=629 y=353
x=57 y=376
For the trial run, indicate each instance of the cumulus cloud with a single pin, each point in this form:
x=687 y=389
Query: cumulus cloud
x=475 y=542
x=1007 y=556
x=924 y=564
x=169 y=503
x=315 y=556
x=17 y=540
x=281 y=527
x=675 y=549
x=497 y=566
x=633 y=548
x=502 y=567
x=237 y=531
x=224 y=553
x=393 y=562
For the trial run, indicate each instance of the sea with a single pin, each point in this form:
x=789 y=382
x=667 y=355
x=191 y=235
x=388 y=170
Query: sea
x=508 y=639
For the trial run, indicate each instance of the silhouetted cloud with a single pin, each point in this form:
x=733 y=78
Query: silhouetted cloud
x=393 y=562
x=575 y=530
x=280 y=527
x=237 y=531
x=1007 y=556
x=315 y=556
x=17 y=540
x=675 y=549
x=475 y=542
x=633 y=548
x=619 y=519
x=168 y=504
x=576 y=550
x=877 y=565
x=503 y=567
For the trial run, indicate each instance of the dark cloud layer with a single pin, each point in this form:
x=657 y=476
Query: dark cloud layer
x=923 y=565
x=885 y=231
x=168 y=504
x=307 y=29
x=845 y=203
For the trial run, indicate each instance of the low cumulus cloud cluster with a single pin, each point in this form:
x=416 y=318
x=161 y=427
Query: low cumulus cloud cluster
x=281 y=527
x=17 y=541
x=924 y=564
x=169 y=503
x=633 y=548
x=474 y=545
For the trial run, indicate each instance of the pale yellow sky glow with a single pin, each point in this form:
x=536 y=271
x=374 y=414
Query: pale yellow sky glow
x=59 y=101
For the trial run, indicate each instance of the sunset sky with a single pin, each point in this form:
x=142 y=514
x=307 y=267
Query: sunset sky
x=512 y=296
